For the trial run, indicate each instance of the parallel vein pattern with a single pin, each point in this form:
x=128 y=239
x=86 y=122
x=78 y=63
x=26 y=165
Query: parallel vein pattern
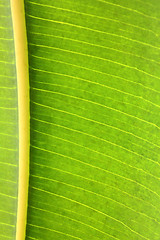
x=95 y=119
x=8 y=126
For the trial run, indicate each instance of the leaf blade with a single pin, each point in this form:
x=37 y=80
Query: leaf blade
x=94 y=73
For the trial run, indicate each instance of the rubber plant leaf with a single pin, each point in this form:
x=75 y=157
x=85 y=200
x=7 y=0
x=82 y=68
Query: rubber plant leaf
x=95 y=119
x=14 y=120
x=94 y=75
x=8 y=126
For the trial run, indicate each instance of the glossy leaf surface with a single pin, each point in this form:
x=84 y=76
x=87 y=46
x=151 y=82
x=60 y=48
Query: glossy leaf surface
x=8 y=126
x=95 y=122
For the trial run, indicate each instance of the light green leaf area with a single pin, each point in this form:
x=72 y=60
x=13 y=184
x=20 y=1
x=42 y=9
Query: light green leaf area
x=8 y=126
x=95 y=119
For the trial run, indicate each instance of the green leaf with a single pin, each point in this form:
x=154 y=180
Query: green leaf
x=8 y=126
x=95 y=119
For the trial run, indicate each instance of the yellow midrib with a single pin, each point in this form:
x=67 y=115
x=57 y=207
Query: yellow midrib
x=21 y=53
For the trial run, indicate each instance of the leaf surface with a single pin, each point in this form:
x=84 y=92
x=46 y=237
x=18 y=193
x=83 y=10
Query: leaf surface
x=95 y=119
x=8 y=126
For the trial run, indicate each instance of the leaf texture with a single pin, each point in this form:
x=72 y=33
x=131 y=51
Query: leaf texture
x=8 y=126
x=95 y=119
